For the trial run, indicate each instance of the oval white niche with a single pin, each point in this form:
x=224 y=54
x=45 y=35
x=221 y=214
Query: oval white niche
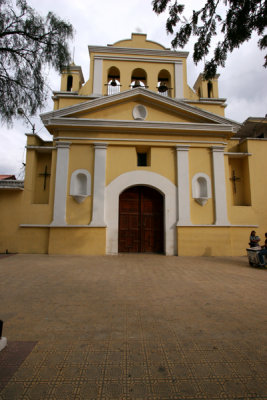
x=139 y=112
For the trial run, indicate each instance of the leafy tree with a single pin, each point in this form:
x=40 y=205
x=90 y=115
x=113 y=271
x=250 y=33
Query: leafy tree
x=28 y=44
x=236 y=19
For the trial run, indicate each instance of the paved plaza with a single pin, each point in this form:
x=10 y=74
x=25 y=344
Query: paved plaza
x=132 y=327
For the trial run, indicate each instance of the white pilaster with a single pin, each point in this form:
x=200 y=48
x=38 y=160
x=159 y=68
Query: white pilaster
x=221 y=217
x=98 y=77
x=178 y=80
x=183 y=198
x=99 y=185
x=61 y=182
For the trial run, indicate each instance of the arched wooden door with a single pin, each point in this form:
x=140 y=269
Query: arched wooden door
x=141 y=220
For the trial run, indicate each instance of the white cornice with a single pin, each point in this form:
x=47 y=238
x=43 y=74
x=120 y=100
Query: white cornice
x=171 y=127
x=41 y=148
x=53 y=226
x=140 y=59
x=204 y=100
x=237 y=155
x=87 y=226
x=144 y=52
x=66 y=93
x=73 y=95
x=173 y=142
x=146 y=94
x=10 y=184
x=220 y=226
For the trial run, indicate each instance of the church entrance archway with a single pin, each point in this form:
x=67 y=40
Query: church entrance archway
x=141 y=227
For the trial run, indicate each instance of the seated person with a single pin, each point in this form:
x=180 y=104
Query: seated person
x=254 y=240
x=263 y=252
x=265 y=243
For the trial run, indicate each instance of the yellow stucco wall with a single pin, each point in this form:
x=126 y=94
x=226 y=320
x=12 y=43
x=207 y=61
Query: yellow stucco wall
x=124 y=111
x=256 y=163
x=10 y=214
x=79 y=241
x=81 y=157
x=33 y=240
x=123 y=159
x=138 y=40
x=200 y=162
x=33 y=211
x=67 y=101
x=212 y=241
x=218 y=109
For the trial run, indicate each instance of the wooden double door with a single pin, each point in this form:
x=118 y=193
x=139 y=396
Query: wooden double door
x=141 y=227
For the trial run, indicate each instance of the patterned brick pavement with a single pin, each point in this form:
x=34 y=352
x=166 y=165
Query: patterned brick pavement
x=132 y=327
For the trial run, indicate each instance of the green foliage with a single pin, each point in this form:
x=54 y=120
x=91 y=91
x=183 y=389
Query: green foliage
x=28 y=43
x=236 y=19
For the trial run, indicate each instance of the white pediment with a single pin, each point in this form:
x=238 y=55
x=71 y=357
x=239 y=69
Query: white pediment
x=83 y=113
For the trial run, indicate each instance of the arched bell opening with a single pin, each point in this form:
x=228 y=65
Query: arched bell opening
x=164 y=80
x=113 y=80
x=210 y=89
x=138 y=78
x=69 y=83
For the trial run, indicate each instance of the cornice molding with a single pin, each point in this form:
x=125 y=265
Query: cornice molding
x=204 y=100
x=40 y=147
x=173 y=142
x=10 y=184
x=63 y=145
x=139 y=59
x=139 y=125
x=73 y=95
x=220 y=226
x=54 y=226
x=237 y=155
x=131 y=50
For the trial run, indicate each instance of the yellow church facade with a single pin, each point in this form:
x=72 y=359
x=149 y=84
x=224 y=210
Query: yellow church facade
x=139 y=162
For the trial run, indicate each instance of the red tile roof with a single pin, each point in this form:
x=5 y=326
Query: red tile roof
x=7 y=177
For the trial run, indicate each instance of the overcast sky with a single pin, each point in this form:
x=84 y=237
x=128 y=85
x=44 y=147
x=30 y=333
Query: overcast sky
x=243 y=81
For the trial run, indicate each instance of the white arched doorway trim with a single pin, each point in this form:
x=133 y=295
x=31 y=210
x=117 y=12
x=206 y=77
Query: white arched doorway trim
x=133 y=178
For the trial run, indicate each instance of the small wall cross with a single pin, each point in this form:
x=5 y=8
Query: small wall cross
x=45 y=174
x=234 y=179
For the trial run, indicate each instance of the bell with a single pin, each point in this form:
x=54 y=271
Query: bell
x=113 y=82
x=162 y=88
x=136 y=84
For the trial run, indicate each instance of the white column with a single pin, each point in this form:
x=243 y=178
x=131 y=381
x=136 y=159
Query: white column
x=221 y=217
x=98 y=77
x=99 y=185
x=178 y=80
x=183 y=185
x=61 y=182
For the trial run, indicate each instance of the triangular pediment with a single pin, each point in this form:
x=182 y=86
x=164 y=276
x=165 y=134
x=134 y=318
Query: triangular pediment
x=124 y=106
